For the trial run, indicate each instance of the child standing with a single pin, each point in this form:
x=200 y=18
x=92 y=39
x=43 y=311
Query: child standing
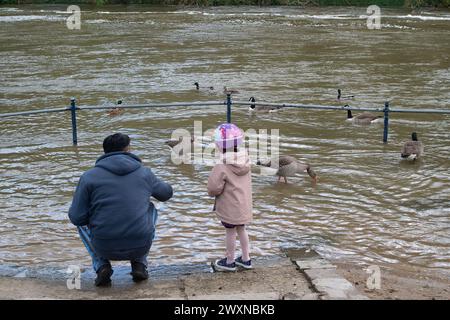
x=231 y=184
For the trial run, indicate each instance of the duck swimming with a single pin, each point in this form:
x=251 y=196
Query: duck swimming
x=261 y=108
x=116 y=111
x=229 y=91
x=412 y=149
x=363 y=118
x=340 y=97
x=197 y=87
x=289 y=166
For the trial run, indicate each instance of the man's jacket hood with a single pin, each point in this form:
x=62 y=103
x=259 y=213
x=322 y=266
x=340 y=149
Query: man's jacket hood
x=120 y=163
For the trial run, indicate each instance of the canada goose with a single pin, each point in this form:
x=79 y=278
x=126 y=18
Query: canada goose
x=116 y=111
x=412 y=149
x=261 y=108
x=229 y=91
x=340 y=97
x=289 y=166
x=363 y=118
x=197 y=86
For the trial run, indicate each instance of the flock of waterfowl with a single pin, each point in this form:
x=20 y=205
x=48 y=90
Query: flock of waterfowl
x=289 y=166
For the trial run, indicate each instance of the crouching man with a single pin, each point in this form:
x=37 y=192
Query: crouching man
x=112 y=209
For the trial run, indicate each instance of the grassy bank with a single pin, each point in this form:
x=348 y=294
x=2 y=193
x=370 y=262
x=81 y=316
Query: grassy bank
x=383 y=3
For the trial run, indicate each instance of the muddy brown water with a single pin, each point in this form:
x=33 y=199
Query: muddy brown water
x=368 y=207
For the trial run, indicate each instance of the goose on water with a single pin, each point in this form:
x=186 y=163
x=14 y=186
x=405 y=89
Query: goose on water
x=412 y=149
x=363 y=118
x=198 y=88
x=261 y=108
x=341 y=97
x=289 y=166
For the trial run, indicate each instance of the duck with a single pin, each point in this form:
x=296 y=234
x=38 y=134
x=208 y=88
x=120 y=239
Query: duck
x=340 y=97
x=229 y=91
x=116 y=111
x=363 y=118
x=289 y=166
x=413 y=149
x=261 y=108
x=197 y=87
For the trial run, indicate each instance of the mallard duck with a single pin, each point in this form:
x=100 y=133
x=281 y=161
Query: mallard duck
x=412 y=149
x=261 y=108
x=289 y=166
x=363 y=118
x=197 y=86
x=116 y=111
x=341 y=97
x=229 y=91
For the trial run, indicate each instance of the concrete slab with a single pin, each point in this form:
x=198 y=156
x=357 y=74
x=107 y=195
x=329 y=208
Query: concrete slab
x=325 y=284
x=337 y=289
x=314 y=274
x=314 y=264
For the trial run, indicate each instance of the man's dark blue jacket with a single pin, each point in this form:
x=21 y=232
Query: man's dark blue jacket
x=113 y=200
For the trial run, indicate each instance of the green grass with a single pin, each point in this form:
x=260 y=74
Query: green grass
x=384 y=3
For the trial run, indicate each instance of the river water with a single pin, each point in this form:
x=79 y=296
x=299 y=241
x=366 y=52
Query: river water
x=368 y=207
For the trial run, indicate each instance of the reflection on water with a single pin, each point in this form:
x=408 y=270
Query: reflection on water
x=368 y=206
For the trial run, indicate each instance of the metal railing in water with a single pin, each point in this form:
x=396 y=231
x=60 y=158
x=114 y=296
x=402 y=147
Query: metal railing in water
x=228 y=102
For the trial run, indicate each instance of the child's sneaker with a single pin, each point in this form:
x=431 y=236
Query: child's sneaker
x=222 y=265
x=244 y=264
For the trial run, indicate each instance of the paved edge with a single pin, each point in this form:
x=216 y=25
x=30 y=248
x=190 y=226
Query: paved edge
x=318 y=274
x=322 y=275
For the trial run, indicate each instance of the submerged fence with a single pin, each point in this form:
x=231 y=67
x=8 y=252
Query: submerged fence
x=73 y=108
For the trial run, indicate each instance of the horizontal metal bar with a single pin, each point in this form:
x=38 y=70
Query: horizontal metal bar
x=306 y=106
x=420 y=111
x=154 y=105
x=213 y=103
x=24 y=113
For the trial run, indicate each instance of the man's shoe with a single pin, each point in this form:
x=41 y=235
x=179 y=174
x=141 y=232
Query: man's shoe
x=222 y=265
x=139 y=271
x=104 y=276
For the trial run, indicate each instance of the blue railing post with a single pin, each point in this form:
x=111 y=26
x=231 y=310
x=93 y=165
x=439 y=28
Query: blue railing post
x=73 y=109
x=228 y=107
x=386 y=121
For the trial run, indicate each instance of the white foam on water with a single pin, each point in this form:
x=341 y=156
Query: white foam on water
x=123 y=12
x=396 y=26
x=423 y=17
x=54 y=11
x=97 y=21
x=322 y=16
x=420 y=17
x=30 y=18
x=10 y=10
